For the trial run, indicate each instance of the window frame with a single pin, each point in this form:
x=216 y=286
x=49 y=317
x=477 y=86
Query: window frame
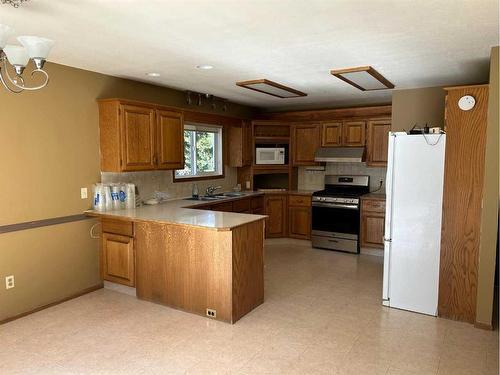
x=220 y=172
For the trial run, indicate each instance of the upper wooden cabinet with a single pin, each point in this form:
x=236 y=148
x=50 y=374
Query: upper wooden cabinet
x=170 y=129
x=377 y=142
x=332 y=134
x=306 y=140
x=347 y=133
x=135 y=137
x=354 y=133
x=240 y=145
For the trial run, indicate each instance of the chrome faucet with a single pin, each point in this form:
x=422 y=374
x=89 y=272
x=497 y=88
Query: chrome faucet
x=211 y=189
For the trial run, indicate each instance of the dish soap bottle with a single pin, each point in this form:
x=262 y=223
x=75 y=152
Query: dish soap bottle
x=194 y=191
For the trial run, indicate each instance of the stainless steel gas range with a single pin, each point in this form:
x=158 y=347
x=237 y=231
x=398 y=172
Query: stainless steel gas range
x=335 y=213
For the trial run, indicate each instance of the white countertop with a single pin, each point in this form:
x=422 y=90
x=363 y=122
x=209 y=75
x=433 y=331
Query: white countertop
x=182 y=211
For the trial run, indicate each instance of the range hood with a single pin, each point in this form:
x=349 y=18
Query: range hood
x=340 y=154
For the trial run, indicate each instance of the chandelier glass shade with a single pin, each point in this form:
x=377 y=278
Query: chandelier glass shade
x=17 y=57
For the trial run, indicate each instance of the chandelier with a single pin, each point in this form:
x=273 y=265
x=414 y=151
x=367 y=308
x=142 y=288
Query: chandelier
x=15 y=58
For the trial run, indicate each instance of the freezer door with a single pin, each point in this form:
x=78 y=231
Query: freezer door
x=415 y=216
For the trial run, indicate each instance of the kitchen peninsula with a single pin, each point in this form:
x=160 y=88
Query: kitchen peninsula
x=204 y=261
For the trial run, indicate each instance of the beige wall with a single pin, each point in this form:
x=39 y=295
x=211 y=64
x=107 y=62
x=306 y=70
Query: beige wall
x=421 y=106
x=49 y=149
x=489 y=217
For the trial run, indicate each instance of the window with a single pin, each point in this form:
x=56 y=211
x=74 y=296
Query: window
x=202 y=152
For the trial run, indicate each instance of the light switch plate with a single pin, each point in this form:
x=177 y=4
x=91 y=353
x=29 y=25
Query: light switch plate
x=83 y=193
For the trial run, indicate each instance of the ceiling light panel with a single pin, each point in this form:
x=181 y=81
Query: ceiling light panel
x=271 y=88
x=364 y=78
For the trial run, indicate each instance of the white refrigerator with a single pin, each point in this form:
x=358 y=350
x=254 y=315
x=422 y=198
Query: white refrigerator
x=412 y=240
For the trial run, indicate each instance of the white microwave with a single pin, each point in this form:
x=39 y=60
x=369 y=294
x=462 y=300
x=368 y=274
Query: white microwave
x=268 y=155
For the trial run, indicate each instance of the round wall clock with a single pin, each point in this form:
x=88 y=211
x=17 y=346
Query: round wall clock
x=466 y=102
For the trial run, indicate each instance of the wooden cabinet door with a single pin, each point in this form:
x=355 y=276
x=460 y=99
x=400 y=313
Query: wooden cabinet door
x=276 y=225
x=137 y=138
x=306 y=140
x=247 y=144
x=332 y=134
x=240 y=145
x=170 y=140
x=372 y=230
x=354 y=133
x=118 y=258
x=299 y=222
x=377 y=143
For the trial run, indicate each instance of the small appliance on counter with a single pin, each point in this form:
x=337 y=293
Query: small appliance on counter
x=269 y=155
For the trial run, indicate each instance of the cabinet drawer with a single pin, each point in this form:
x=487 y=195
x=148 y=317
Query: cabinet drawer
x=224 y=206
x=125 y=228
x=299 y=200
x=241 y=205
x=373 y=205
x=257 y=203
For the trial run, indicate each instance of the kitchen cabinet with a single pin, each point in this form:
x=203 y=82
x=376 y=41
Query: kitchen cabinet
x=332 y=134
x=223 y=206
x=170 y=129
x=240 y=145
x=117 y=256
x=137 y=132
x=372 y=222
x=276 y=209
x=139 y=136
x=377 y=142
x=345 y=134
x=354 y=133
x=306 y=140
x=299 y=216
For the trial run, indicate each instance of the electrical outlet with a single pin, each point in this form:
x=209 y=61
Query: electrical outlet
x=9 y=282
x=247 y=185
x=211 y=313
x=83 y=193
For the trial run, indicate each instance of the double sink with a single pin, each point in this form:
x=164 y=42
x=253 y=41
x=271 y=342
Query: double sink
x=216 y=197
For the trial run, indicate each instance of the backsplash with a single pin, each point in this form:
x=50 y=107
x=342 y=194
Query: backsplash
x=312 y=178
x=148 y=182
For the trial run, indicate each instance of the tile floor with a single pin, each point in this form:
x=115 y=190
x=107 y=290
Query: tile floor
x=322 y=315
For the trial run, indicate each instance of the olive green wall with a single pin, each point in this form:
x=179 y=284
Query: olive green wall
x=489 y=216
x=49 y=148
x=417 y=106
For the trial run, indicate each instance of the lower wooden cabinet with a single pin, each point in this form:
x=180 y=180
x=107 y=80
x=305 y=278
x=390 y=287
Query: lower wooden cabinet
x=276 y=209
x=118 y=260
x=372 y=223
x=299 y=216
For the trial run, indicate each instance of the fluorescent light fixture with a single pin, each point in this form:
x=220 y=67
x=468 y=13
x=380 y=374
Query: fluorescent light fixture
x=364 y=78
x=271 y=88
x=204 y=67
x=153 y=74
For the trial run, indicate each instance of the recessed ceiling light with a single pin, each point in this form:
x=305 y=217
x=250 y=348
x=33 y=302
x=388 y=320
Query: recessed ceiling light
x=204 y=67
x=364 y=78
x=271 y=88
x=153 y=74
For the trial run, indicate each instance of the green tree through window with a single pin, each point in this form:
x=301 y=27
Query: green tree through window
x=202 y=151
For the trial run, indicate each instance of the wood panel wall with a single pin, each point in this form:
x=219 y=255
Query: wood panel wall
x=463 y=184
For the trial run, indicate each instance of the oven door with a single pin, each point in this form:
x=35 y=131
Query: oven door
x=331 y=219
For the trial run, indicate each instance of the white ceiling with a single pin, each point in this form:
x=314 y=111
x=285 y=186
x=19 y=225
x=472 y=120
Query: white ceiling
x=413 y=43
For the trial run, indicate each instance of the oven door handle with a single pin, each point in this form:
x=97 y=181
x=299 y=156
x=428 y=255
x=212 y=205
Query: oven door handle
x=336 y=205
